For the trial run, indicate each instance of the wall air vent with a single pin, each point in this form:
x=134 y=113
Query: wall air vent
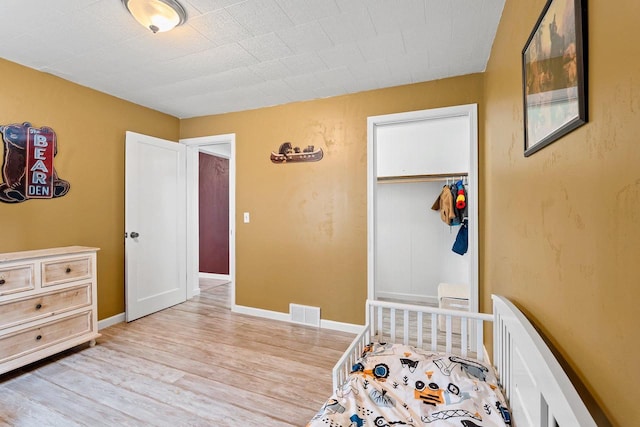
x=305 y=314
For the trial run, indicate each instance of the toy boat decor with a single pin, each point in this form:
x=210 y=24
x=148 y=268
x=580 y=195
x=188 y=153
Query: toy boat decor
x=290 y=154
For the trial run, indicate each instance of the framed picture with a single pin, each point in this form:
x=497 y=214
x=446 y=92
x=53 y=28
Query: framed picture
x=554 y=74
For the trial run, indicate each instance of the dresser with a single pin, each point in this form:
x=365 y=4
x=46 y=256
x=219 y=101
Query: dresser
x=47 y=303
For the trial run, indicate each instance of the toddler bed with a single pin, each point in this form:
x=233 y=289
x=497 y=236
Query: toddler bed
x=402 y=370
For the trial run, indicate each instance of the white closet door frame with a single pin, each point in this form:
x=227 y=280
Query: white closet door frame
x=470 y=111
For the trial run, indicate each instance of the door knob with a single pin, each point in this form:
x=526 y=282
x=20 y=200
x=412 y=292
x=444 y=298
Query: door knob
x=134 y=235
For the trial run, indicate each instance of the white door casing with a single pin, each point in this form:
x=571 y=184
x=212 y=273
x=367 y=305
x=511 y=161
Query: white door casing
x=223 y=144
x=155 y=225
x=373 y=123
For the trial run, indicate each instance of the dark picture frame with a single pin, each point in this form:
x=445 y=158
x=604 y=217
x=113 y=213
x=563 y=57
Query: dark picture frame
x=554 y=74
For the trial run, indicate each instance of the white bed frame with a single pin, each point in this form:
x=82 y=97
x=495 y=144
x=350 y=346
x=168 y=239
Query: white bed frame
x=537 y=389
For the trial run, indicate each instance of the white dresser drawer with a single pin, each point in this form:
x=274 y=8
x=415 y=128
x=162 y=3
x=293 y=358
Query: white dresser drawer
x=16 y=279
x=66 y=270
x=33 y=339
x=47 y=303
x=25 y=310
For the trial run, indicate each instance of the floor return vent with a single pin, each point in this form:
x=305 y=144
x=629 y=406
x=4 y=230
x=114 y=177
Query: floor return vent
x=305 y=314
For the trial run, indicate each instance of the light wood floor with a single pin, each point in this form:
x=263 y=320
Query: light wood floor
x=195 y=364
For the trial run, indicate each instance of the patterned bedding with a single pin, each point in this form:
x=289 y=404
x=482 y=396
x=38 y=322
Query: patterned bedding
x=397 y=385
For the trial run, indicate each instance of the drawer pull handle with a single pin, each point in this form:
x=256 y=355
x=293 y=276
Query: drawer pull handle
x=68 y=270
x=38 y=307
x=2 y=282
x=39 y=337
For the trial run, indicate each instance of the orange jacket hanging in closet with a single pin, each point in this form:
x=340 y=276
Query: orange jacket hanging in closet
x=444 y=203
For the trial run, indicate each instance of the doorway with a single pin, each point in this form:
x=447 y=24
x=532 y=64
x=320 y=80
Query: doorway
x=213 y=194
x=222 y=146
x=412 y=158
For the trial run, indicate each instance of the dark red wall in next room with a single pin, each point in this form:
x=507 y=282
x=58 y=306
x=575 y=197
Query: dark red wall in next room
x=214 y=214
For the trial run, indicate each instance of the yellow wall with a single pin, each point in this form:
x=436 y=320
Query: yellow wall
x=307 y=240
x=561 y=230
x=90 y=128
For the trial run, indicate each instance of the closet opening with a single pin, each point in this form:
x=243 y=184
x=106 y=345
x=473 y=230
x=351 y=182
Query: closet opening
x=419 y=251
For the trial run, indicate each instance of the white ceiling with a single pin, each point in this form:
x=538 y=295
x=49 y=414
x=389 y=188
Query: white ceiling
x=236 y=55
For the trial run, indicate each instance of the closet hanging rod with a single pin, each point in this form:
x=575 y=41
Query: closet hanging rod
x=420 y=178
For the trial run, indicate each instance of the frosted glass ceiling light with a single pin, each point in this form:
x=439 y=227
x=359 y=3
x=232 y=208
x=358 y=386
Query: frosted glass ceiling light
x=157 y=15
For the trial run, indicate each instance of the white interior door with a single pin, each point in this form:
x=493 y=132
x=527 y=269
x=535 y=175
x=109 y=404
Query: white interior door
x=155 y=225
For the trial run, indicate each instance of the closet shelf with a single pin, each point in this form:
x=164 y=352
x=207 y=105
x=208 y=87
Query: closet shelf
x=419 y=178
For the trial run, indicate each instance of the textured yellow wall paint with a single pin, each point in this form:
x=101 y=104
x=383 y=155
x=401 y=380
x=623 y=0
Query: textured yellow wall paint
x=562 y=227
x=90 y=128
x=307 y=240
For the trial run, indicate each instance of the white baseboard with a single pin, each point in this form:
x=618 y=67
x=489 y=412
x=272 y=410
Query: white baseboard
x=284 y=317
x=407 y=297
x=214 y=276
x=339 y=326
x=259 y=312
x=195 y=292
x=110 y=321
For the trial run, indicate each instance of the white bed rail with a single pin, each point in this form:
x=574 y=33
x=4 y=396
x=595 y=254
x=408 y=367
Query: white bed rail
x=538 y=390
x=418 y=326
x=352 y=353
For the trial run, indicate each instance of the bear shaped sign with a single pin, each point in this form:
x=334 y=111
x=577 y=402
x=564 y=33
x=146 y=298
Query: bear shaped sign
x=28 y=172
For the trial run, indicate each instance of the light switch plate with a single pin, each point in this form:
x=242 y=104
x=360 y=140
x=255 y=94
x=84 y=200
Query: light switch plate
x=247 y=219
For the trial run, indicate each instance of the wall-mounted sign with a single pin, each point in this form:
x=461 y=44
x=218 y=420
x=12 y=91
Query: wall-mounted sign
x=290 y=154
x=27 y=171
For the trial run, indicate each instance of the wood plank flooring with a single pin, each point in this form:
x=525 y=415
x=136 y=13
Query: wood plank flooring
x=194 y=364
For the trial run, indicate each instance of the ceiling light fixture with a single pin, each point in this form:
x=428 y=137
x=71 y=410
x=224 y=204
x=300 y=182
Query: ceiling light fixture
x=157 y=15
